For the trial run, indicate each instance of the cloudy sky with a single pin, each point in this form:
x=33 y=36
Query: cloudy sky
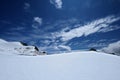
x=54 y=25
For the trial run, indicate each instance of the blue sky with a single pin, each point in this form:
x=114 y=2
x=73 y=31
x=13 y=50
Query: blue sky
x=55 y=25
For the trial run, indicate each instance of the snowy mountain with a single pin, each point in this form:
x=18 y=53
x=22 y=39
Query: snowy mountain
x=17 y=48
x=75 y=65
x=85 y=65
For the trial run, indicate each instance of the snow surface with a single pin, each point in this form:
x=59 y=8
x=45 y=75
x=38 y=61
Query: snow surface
x=75 y=65
x=16 y=48
x=81 y=65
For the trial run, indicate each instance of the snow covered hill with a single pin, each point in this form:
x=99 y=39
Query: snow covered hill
x=17 y=48
x=75 y=65
x=85 y=65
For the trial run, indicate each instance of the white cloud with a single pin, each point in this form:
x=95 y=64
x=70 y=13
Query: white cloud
x=56 y=48
x=57 y=3
x=113 y=48
x=26 y=6
x=96 y=45
x=17 y=28
x=110 y=28
x=65 y=47
x=46 y=42
x=37 y=21
x=90 y=28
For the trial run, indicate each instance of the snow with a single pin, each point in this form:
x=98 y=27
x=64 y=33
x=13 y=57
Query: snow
x=113 y=48
x=16 y=48
x=75 y=65
x=83 y=65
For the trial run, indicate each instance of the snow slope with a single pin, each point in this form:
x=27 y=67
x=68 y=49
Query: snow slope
x=85 y=65
x=16 y=48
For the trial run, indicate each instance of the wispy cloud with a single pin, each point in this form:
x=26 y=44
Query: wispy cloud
x=26 y=6
x=5 y=22
x=96 y=45
x=37 y=21
x=110 y=28
x=56 y=48
x=65 y=47
x=99 y=25
x=62 y=24
x=100 y=43
x=16 y=36
x=18 y=28
x=57 y=3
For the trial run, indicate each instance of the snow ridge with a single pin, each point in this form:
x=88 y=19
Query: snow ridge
x=16 y=48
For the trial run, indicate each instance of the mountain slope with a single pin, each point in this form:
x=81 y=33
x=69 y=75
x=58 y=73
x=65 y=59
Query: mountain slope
x=17 y=48
x=85 y=65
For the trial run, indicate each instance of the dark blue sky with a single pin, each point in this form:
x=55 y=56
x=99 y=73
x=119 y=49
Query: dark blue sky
x=55 y=25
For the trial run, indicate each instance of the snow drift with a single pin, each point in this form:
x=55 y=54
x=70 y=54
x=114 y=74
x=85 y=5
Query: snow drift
x=68 y=66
